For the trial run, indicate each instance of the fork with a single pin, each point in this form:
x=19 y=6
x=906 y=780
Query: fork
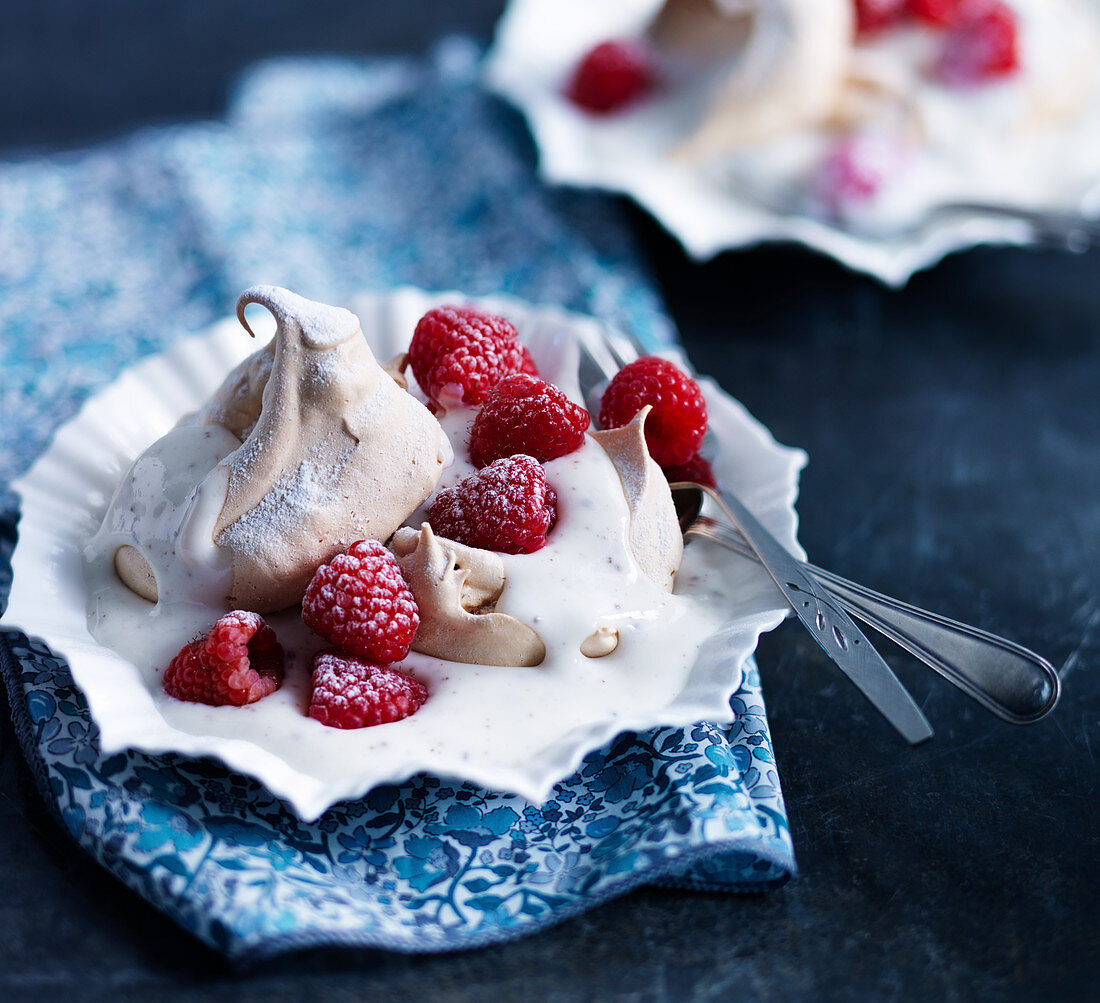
x=1007 y=679
x=829 y=625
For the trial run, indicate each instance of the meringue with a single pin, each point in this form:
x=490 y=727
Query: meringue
x=770 y=67
x=453 y=584
x=307 y=446
x=654 y=536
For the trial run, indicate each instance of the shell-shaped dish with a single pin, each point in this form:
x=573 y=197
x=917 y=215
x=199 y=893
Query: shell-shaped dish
x=524 y=749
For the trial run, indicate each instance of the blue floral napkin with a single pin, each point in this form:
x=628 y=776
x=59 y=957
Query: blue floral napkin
x=329 y=177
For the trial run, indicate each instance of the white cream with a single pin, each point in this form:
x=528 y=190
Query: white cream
x=166 y=507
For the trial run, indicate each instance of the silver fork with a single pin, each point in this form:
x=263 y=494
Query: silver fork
x=829 y=625
x=1007 y=679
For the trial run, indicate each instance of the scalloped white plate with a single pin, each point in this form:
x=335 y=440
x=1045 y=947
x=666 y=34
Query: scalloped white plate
x=312 y=767
x=537 y=44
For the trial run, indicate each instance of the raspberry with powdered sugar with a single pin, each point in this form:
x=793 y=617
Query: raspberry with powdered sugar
x=351 y=693
x=675 y=427
x=507 y=506
x=459 y=353
x=524 y=414
x=238 y=662
x=360 y=602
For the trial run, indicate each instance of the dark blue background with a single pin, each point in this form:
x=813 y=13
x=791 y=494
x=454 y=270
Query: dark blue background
x=954 y=436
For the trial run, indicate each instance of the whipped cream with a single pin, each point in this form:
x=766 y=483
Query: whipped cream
x=168 y=504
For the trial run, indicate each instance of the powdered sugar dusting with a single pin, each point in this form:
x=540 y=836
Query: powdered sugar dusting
x=322 y=326
x=291 y=501
x=348 y=693
x=360 y=602
x=507 y=506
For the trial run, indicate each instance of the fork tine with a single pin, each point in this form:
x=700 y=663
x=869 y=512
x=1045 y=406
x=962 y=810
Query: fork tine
x=636 y=344
x=624 y=346
x=594 y=370
x=601 y=356
x=597 y=359
x=615 y=353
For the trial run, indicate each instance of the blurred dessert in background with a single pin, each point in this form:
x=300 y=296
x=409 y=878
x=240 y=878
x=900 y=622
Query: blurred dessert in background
x=867 y=109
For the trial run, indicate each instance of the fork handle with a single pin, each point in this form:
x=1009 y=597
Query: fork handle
x=1048 y=227
x=1015 y=684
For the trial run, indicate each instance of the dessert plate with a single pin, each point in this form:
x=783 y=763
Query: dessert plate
x=711 y=207
x=529 y=732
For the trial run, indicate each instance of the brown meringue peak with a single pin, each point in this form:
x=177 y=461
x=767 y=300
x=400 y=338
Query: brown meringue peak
x=339 y=453
x=655 y=537
x=451 y=582
x=780 y=65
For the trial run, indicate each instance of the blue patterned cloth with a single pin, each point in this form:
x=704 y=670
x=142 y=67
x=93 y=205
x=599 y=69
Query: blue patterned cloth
x=329 y=177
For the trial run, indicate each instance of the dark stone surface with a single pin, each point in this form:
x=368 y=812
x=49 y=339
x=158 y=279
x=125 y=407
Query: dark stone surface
x=954 y=435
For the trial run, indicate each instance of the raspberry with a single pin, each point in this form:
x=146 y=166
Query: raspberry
x=876 y=15
x=980 y=45
x=360 y=602
x=675 y=427
x=611 y=76
x=855 y=170
x=507 y=506
x=524 y=414
x=351 y=693
x=458 y=353
x=935 y=13
x=696 y=470
x=239 y=661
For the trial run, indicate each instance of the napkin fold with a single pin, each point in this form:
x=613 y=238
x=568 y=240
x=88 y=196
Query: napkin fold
x=330 y=176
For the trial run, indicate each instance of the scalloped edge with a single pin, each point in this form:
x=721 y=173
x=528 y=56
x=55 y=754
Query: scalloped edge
x=89 y=453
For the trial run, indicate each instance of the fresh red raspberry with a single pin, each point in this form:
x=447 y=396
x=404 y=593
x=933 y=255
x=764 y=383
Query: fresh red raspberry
x=697 y=470
x=351 y=693
x=506 y=506
x=876 y=15
x=239 y=661
x=611 y=76
x=458 y=353
x=981 y=45
x=935 y=13
x=524 y=414
x=675 y=427
x=359 y=601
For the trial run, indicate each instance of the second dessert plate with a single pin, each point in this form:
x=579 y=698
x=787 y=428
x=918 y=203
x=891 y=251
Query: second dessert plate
x=719 y=204
x=522 y=741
